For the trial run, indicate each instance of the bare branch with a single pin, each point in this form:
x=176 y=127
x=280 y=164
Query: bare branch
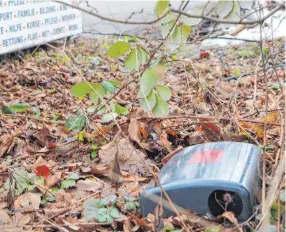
x=242 y=21
x=181 y=12
x=112 y=19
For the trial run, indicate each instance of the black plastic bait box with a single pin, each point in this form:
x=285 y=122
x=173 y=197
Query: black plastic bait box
x=210 y=179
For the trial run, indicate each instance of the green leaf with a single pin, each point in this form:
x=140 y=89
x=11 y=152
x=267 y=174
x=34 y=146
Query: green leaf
x=168 y=24
x=234 y=15
x=114 y=212
x=224 y=8
x=120 y=110
x=132 y=61
x=180 y=36
x=115 y=83
x=91 y=208
x=112 y=198
x=144 y=55
x=161 y=7
x=94 y=90
x=161 y=108
x=68 y=183
x=109 y=87
x=104 y=218
x=22 y=178
x=164 y=92
x=136 y=57
x=7 y=110
x=148 y=103
x=118 y=49
x=274 y=211
x=74 y=123
x=93 y=154
x=148 y=81
x=105 y=201
x=109 y=117
x=22 y=107
x=82 y=88
x=130 y=205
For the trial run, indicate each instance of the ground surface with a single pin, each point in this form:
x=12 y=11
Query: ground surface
x=50 y=176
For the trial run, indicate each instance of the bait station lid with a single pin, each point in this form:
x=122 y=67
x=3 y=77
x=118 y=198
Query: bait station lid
x=210 y=179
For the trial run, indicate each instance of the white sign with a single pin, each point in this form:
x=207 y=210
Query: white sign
x=28 y=23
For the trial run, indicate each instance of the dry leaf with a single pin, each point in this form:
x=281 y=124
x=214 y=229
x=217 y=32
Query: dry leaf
x=21 y=219
x=272 y=117
x=39 y=162
x=230 y=216
x=143 y=131
x=53 y=179
x=73 y=227
x=43 y=136
x=6 y=142
x=130 y=159
x=28 y=202
x=166 y=142
x=100 y=169
x=4 y=218
x=134 y=130
x=92 y=185
x=127 y=226
x=64 y=199
x=135 y=188
x=131 y=178
x=258 y=131
x=141 y=222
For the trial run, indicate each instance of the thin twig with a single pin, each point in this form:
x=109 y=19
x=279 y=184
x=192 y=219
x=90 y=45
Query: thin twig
x=206 y=117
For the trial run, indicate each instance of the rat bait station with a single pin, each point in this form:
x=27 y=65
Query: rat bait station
x=210 y=179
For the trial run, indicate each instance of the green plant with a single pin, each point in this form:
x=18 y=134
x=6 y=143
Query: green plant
x=130 y=203
x=70 y=181
x=23 y=181
x=101 y=209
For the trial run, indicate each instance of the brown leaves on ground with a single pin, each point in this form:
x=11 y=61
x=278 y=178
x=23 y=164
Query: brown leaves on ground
x=90 y=185
x=7 y=142
x=204 y=88
x=130 y=158
x=28 y=202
